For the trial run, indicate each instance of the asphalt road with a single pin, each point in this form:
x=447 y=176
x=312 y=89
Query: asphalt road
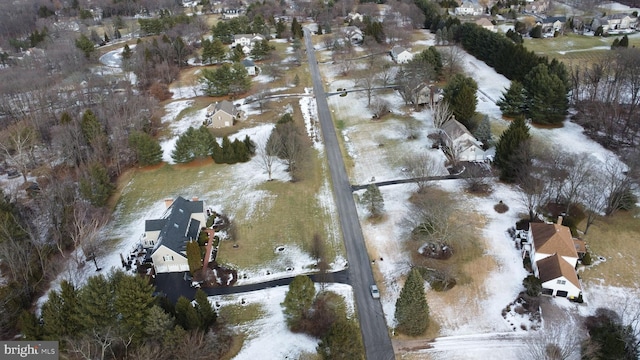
x=372 y=322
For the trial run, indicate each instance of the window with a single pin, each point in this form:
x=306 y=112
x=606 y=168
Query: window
x=562 y=282
x=167 y=258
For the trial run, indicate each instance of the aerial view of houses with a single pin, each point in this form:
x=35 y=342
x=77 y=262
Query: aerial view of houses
x=320 y=180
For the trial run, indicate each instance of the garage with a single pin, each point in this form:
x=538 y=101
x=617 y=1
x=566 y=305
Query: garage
x=562 y=293
x=546 y=291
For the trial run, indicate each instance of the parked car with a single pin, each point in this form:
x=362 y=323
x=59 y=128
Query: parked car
x=374 y=292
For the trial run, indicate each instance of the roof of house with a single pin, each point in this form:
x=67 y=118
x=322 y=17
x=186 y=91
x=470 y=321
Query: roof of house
x=552 y=19
x=224 y=105
x=247 y=63
x=154 y=224
x=553 y=267
x=178 y=226
x=484 y=22
x=455 y=129
x=397 y=50
x=553 y=239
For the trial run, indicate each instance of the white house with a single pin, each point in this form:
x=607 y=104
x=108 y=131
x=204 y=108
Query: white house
x=353 y=34
x=246 y=41
x=554 y=257
x=469 y=8
x=467 y=147
x=166 y=238
x=250 y=66
x=614 y=22
x=401 y=55
x=552 y=24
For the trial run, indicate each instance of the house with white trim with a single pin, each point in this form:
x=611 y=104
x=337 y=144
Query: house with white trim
x=246 y=41
x=467 y=147
x=165 y=239
x=469 y=8
x=554 y=257
x=401 y=55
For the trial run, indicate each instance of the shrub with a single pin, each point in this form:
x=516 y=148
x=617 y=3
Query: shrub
x=533 y=285
x=501 y=207
x=160 y=91
x=586 y=260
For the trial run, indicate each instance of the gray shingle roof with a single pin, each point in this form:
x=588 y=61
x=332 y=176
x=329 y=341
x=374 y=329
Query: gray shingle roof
x=178 y=226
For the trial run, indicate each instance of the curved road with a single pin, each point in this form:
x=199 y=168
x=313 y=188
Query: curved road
x=375 y=334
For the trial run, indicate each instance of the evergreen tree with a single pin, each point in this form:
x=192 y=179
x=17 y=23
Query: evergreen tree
x=60 y=314
x=158 y=324
x=96 y=185
x=148 y=151
x=547 y=95
x=29 y=326
x=133 y=301
x=460 y=94
x=236 y=54
x=624 y=42
x=240 y=150
x=85 y=45
x=412 y=310
x=193 y=144
x=97 y=298
x=216 y=153
x=90 y=126
x=296 y=29
x=186 y=315
x=207 y=315
x=342 y=342
x=117 y=34
x=218 y=51
x=298 y=301
x=126 y=52
x=193 y=257
x=251 y=146
x=65 y=118
x=373 y=200
x=483 y=132
x=280 y=28
x=207 y=51
x=536 y=32
x=228 y=151
x=106 y=38
x=511 y=150
x=513 y=101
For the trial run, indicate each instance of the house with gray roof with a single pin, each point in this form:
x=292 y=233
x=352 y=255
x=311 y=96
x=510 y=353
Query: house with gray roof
x=166 y=239
x=222 y=114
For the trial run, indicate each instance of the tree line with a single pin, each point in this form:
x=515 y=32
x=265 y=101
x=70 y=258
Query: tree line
x=117 y=316
x=200 y=143
x=541 y=86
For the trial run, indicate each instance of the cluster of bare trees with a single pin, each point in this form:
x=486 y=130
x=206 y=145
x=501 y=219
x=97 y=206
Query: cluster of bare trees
x=607 y=96
x=599 y=186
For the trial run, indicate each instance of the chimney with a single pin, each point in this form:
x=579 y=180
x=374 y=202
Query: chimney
x=195 y=198
x=168 y=203
x=559 y=222
x=207 y=252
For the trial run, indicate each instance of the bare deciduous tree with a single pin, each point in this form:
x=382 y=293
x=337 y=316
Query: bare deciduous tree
x=441 y=113
x=18 y=143
x=421 y=166
x=268 y=154
x=554 y=343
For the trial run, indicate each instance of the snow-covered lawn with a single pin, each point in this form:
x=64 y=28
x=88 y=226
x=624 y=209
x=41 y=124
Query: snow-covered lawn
x=269 y=337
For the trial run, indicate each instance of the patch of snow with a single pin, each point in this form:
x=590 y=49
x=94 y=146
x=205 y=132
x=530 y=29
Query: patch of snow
x=269 y=337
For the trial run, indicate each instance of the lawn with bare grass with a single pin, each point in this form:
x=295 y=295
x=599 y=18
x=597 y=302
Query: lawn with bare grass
x=615 y=238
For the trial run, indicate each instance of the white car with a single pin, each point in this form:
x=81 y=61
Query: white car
x=374 y=292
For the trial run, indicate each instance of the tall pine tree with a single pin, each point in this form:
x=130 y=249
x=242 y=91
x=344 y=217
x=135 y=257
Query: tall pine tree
x=513 y=101
x=147 y=149
x=512 y=150
x=460 y=94
x=412 y=310
x=205 y=311
x=547 y=96
x=373 y=200
x=133 y=301
x=298 y=301
x=186 y=315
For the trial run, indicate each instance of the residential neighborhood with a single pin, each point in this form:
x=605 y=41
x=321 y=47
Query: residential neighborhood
x=320 y=180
